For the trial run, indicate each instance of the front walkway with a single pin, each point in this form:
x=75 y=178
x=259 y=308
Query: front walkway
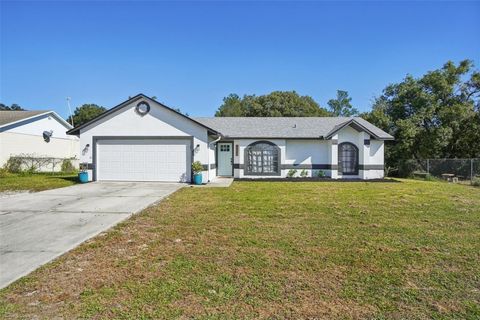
x=217 y=182
x=35 y=228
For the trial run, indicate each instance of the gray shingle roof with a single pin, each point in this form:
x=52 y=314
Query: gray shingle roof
x=7 y=117
x=286 y=127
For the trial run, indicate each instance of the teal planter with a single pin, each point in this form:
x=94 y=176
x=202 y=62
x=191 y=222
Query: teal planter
x=197 y=179
x=83 y=177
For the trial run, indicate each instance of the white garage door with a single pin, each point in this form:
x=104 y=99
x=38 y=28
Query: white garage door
x=143 y=160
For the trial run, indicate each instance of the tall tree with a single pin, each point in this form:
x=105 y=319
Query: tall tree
x=233 y=106
x=85 y=113
x=434 y=116
x=13 y=107
x=341 y=106
x=275 y=104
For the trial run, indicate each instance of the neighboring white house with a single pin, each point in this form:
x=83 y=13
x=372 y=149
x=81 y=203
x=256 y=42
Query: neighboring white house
x=144 y=140
x=37 y=133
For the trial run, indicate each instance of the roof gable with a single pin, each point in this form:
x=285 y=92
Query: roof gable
x=360 y=125
x=76 y=130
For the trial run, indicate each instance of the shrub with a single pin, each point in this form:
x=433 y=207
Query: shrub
x=321 y=174
x=67 y=166
x=291 y=173
x=3 y=172
x=407 y=168
x=303 y=173
x=429 y=177
x=197 y=167
x=14 y=165
x=29 y=171
x=476 y=182
x=83 y=167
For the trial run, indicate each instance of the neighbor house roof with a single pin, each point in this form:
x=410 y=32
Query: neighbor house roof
x=8 y=117
x=11 y=119
x=289 y=127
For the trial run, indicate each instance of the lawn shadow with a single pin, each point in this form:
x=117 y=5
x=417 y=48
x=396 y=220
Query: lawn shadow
x=67 y=178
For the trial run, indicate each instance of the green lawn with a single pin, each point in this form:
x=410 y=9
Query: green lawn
x=36 y=181
x=406 y=250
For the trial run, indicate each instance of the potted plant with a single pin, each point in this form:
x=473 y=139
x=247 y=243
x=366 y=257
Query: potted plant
x=197 y=172
x=83 y=174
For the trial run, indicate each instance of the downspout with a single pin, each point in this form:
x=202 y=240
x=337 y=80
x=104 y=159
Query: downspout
x=208 y=156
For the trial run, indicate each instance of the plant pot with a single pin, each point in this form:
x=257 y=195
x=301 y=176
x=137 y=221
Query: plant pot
x=83 y=176
x=197 y=179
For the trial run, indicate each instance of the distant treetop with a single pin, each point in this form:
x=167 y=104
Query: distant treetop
x=13 y=107
x=275 y=104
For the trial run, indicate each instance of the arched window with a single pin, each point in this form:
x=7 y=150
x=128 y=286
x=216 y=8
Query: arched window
x=262 y=158
x=347 y=159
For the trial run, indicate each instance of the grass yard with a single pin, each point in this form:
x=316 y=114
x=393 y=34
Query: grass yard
x=36 y=181
x=407 y=250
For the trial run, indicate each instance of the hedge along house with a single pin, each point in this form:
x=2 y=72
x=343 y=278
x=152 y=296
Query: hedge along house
x=144 y=140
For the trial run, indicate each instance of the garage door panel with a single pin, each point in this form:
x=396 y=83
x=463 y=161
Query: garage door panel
x=143 y=160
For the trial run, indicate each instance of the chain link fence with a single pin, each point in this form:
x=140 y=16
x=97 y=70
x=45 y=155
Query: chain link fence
x=453 y=170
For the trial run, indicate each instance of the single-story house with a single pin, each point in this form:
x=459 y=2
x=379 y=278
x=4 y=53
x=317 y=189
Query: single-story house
x=144 y=140
x=36 y=133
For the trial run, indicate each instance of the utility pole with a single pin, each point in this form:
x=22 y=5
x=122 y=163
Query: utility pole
x=70 y=110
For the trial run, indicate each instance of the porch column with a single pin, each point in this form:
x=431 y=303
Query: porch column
x=333 y=156
x=364 y=153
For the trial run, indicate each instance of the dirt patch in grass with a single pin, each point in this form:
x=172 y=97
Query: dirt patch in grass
x=273 y=250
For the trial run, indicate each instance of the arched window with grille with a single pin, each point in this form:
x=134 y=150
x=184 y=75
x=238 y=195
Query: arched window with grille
x=262 y=158
x=347 y=159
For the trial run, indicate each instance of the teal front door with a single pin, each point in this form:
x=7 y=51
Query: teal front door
x=225 y=159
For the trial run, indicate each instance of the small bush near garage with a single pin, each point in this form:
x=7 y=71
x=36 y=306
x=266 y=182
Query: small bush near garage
x=67 y=166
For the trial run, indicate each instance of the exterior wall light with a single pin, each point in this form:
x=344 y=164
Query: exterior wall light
x=85 y=150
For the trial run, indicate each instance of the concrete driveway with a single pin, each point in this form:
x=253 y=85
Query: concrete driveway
x=37 y=227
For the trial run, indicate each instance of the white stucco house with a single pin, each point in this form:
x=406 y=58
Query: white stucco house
x=144 y=140
x=37 y=133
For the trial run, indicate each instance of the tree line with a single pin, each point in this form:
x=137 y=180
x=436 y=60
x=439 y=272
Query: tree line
x=13 y=107
x=436 y=115
x=284 y=104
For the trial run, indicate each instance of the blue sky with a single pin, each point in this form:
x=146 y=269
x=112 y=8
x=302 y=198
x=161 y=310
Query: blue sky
x=192 y=54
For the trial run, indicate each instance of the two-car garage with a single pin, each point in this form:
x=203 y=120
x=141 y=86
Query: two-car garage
x=143 y=159
x=143 y=140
